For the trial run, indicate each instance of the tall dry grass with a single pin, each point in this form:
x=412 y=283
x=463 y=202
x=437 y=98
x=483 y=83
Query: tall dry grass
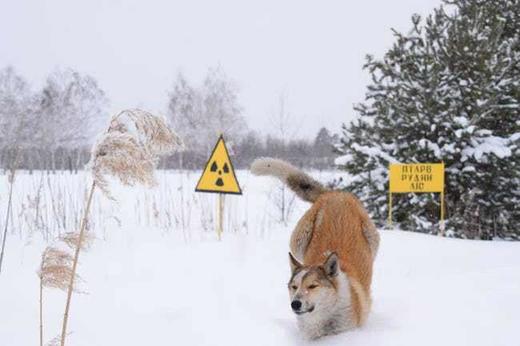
x=55 y=272
x=56 y=269
x=128 y=151
x=11 y=179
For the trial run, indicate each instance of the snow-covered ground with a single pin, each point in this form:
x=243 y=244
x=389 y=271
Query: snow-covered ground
x=148 y=284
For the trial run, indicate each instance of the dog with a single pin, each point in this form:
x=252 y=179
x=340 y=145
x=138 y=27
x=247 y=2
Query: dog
x=332 y=251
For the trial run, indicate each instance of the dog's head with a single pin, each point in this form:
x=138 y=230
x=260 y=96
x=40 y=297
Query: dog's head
x=313 y=288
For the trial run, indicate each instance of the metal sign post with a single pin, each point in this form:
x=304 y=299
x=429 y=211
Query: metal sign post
x=219 y=177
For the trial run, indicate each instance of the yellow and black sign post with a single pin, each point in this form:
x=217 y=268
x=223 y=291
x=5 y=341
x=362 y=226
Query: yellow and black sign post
x=416 y=177
x=219 y=177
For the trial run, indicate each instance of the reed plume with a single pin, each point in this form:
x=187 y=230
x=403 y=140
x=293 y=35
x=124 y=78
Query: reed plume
x=55 y=272
x=129 y=151
x=72 y=241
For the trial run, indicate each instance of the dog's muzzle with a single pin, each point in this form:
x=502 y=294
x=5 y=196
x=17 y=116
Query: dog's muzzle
x=296 y=306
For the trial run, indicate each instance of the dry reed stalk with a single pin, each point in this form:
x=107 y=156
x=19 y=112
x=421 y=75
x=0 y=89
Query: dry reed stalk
x=41 y=306
x=129 y=151
x=12 y=171
x=37 y=207
x=10 y=178
x=79 y=241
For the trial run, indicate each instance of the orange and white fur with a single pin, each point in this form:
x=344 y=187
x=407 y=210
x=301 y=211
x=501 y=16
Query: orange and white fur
x=333 y=248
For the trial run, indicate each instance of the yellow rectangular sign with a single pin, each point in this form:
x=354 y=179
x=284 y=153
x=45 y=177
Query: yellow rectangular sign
x=416 y=177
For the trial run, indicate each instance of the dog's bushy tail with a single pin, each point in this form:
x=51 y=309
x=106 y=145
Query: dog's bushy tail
x=302 y=184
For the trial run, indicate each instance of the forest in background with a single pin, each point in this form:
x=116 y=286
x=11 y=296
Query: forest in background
x=54 y=128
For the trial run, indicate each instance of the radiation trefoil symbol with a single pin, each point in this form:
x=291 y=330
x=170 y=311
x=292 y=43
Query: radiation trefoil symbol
x=218 y=175
x=225 y=170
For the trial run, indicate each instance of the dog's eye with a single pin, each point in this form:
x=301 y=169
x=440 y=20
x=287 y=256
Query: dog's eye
x=294 y=287
x=311 y=287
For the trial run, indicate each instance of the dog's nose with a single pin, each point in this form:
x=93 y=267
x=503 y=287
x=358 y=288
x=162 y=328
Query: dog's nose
x=296 y=305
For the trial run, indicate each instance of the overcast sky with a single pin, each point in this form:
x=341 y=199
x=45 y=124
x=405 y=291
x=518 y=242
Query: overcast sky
x=311 y=51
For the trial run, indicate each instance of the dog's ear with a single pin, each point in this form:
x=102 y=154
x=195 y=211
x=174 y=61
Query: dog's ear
x=331 y=265
x=295 y=264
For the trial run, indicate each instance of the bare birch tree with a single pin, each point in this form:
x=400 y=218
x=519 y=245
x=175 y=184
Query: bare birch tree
x=285 y=129
x=15 y=119
x=72 y=110
x=201 y=114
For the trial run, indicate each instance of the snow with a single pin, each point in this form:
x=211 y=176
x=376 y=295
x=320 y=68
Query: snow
x=343 y=160
x=461 y=120
x=469 y=169
x=488 y=145
x=433 y=147
x=148 y=285
x=373 y=152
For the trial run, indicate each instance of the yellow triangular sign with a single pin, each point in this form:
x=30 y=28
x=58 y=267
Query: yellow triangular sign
x=219 y=175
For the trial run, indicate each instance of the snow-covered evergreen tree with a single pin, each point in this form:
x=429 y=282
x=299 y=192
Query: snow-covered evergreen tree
x=447 y=91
